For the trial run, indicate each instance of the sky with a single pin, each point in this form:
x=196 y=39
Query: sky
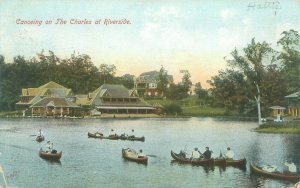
x=179 y=35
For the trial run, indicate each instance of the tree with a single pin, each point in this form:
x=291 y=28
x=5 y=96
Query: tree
x=176 y=91
x=228 y=90
x=201 y=93
x=127 y=80
x=172 y=109
x=290 y=58
x=186 y=80
x=162 y=80
x=107 y=72
x=251 y=65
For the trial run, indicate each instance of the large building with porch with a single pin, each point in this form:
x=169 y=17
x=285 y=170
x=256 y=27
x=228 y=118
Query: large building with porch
x=117 y=99
x=50 y=99
x=146 y=84
x=293 y=101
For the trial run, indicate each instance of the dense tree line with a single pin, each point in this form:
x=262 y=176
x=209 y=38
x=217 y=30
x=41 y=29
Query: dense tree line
x=77 y=72
x=258 y=76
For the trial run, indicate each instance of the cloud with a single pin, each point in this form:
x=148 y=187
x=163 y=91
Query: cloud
x=149 y=30
x=163 y=12
x=229 y=38
x=284 y=27
x=227 y=14
x=247 y=21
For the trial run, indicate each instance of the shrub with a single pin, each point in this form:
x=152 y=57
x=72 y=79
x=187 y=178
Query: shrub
x=172 y=109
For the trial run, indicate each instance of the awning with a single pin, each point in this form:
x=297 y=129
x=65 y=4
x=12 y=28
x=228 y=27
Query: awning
x=277 y=108
x=126 y=108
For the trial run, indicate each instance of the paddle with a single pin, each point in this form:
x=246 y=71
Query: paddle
x=33 y=135
x=151 y=155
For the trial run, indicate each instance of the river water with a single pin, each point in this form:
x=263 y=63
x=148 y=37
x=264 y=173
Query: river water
x=88 y=162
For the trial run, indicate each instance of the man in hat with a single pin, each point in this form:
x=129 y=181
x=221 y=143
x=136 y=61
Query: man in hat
x=229 y=154
x=207 y=153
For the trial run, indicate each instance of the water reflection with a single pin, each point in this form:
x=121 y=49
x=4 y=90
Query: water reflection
x=51 y=162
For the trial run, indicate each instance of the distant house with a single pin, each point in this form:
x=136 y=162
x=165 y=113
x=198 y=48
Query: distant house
x=50 y=99
x=293 y=101
x=146 y=84
x=117 y=99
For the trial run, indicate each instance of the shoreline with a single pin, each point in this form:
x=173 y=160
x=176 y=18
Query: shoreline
x=286 y=127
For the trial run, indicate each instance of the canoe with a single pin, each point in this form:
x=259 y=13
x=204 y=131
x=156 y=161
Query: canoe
x=40 y=138
x=235 y=163
x=142 y=139
x=50 y=156
x=137 y=159
x=91 y=135
x=276 y=174
x=180 y=159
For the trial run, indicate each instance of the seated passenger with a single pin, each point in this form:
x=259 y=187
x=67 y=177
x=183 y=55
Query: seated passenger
x=207 y=153
x=182 y=154
x=98 y=133
x=49 y=147
x=141 y=154
x=290 y=167
x=195 y=154
x=131 y=135
x=112 y=133
x=229 y=154
x=269 y=168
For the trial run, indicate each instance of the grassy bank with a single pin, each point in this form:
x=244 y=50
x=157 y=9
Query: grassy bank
x=9 y=114
x=190 y=107
x=287 y=127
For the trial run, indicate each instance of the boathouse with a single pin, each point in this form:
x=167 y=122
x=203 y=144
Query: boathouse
x=117 y=99
x=50 y=99
x=293 y=101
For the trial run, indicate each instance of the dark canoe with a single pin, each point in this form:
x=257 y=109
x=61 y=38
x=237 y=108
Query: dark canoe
x=276 y=175
x=50 y=156
x=180 y=159
x=91 y=135
x=143 y=160
x=40 y=138
x=235 y=163
x=142 y=139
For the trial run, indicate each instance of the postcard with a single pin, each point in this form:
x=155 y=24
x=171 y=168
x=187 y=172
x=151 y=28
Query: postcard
x=149 y=93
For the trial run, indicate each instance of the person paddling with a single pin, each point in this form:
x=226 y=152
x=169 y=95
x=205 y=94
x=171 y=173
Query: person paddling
x=49 y=147
x=131 y=135
x=112 y=133
x=207 y=153
x=40 y=133
x=141 y=154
